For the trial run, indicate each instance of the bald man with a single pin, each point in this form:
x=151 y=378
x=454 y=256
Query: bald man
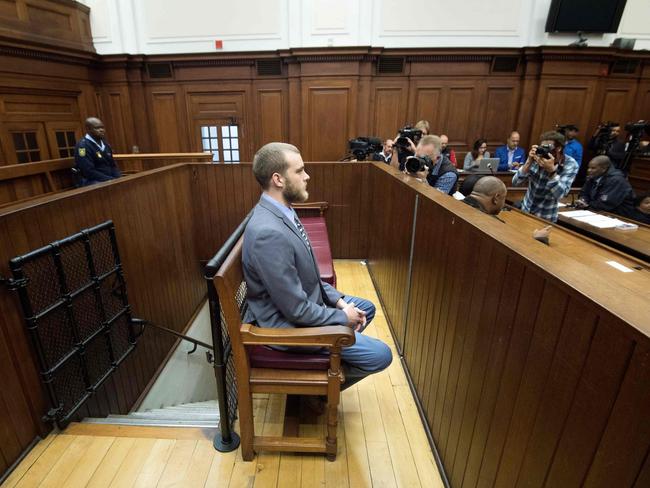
x=606 y=188
x=93 y=156
x=446 y=150
x=489 y=196
x=510 y=155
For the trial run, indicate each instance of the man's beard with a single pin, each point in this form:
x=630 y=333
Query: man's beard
x=294 y=195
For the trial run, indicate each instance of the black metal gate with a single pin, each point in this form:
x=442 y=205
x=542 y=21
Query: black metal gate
x=74 y=302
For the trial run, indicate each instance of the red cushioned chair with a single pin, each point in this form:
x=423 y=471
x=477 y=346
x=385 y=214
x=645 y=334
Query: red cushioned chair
x=312 y=216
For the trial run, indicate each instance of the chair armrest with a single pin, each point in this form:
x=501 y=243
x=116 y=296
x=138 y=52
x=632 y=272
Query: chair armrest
x=326 y=336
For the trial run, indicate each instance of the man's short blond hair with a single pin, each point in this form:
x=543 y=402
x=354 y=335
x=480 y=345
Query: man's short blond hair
x=269 y=159
x=431 y=139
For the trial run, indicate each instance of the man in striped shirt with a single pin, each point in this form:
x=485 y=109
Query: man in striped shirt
x=549 y=174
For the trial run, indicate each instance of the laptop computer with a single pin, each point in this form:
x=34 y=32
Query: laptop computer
x=483 y=165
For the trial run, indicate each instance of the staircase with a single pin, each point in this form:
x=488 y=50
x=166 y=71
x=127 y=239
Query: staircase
x=198 y=414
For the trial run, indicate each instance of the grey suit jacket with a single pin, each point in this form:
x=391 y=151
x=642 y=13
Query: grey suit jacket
x=283 y=280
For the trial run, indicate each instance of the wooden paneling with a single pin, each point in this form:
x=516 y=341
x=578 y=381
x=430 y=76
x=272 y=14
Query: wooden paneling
x=272 y=114
x=526 y=377
x=389 y=251
x=389 y=108
x=62 y=23
x=325 y=97
x=21 y=182
x=328 y=117
x=166 y=121
x=460 y=123
x=500 y=113
x=427 y=103
x=640 y=174
x=153 y=216
x=234 y=191
x=562 y=103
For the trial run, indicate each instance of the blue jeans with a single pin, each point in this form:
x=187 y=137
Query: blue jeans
x=367 y=355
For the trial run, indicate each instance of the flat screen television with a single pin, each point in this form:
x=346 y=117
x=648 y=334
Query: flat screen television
x=597 y=16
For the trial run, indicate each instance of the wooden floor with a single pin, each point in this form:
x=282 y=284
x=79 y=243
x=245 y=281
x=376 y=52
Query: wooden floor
x=381 y=440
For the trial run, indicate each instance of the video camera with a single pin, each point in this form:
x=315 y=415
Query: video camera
x=407 y=132
x=361 y=147
x=603 y=137
x=415 y=164
x=639 y=127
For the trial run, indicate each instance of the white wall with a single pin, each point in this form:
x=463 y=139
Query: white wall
x=178 y=26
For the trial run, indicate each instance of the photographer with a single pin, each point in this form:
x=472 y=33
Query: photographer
x=406 y=141
x=386 y=154
x=549 y=174
x=606 y=141
x=428 y=162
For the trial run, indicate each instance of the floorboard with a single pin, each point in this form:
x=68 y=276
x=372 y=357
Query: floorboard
x=380 y=436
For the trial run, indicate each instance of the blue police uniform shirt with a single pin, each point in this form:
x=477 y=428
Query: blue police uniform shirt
x=95 y=161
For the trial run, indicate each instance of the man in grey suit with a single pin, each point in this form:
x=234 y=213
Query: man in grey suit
x=282 y=276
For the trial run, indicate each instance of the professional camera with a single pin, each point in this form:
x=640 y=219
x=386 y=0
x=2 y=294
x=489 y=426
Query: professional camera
x=407 y=132
x=544 y=150
x=635 y=132
x=638 y=127
x=415 y=164
x=361 y=147
x=602 y=140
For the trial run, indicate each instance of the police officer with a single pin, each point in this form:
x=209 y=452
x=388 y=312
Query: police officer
x=93 y=156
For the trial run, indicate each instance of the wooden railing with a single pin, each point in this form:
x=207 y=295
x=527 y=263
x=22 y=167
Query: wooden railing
x=529 y=362
x=21 y=182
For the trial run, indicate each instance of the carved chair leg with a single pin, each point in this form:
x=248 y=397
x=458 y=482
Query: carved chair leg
x=333 y=399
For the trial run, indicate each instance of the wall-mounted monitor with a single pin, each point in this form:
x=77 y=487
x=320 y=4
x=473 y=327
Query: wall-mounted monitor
x=598 y=16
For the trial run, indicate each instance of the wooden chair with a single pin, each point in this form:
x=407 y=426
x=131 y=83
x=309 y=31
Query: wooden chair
x=259 y=369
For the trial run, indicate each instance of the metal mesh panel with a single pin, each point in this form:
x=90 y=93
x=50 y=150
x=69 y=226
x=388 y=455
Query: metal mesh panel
x=103 y=255
x=74 y=300
x=44 y=286
x=75 y=265
x=98 y=359
x=87 y=314
x=231 y=387
x=111 y=294
x=69 y=386
x=120 y=338
x=55 y=335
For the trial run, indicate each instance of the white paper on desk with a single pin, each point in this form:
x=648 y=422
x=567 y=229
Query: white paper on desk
x=600 y=221
x=577 y=213
x=560 y=204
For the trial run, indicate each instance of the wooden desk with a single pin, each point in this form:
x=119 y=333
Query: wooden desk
x=633 y=242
